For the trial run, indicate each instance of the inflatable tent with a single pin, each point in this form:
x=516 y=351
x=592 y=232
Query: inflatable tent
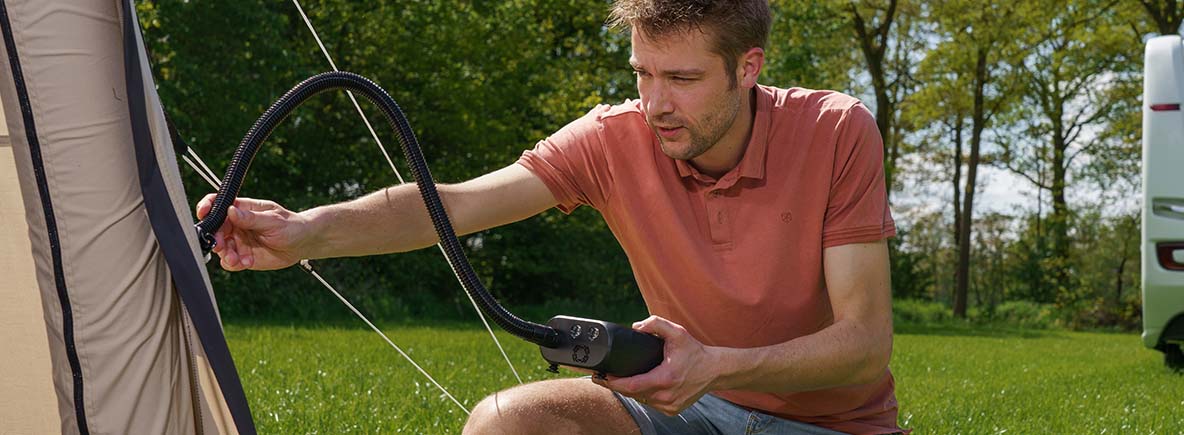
x=107 y=316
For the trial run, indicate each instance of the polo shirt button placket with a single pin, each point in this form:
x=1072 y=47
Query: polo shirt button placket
x=717 y=218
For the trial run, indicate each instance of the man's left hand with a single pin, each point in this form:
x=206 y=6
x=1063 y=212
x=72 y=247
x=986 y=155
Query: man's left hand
x=686 y=373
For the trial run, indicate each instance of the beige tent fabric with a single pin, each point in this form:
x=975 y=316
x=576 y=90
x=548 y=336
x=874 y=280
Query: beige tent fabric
x=214 y=411
x=28 y=404
x=141 y=366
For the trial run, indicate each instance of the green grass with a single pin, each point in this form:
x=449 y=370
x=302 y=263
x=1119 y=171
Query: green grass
x=965 y=380
x=950 y=379
x=330 y=380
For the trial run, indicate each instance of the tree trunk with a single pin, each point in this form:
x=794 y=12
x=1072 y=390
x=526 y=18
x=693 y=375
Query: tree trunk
x=1059 y=223
x=957 y=193
x=976 y=135
x=873 y=41
x=1131 y=230
x=884 y=112
x=1118 y=283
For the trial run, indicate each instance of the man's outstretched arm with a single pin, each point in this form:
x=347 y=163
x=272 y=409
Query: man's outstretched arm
x=262 y=235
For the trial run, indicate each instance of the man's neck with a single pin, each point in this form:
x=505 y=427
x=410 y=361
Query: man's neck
x=729 y=150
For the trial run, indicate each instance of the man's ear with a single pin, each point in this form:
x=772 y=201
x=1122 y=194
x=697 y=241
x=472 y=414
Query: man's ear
x=749 y=67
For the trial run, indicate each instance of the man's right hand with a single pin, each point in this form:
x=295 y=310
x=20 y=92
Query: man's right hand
x=257 y=234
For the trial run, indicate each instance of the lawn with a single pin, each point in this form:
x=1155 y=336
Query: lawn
x=950 y=379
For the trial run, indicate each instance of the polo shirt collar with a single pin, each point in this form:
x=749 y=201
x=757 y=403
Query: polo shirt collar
x=752 y=165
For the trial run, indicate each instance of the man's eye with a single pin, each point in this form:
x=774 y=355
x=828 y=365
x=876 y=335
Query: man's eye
x=682 y=79
x=641 y=73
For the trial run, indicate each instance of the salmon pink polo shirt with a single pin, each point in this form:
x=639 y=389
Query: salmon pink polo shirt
x=737 y=260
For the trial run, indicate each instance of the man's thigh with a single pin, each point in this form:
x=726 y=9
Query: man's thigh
x=579 y=407
x=714 y=416
x=567 y=406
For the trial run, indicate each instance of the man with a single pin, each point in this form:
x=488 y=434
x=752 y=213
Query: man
x=753 y=217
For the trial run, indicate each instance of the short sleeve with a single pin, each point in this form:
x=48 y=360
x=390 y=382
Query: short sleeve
x=572 y=163
x=857 y=208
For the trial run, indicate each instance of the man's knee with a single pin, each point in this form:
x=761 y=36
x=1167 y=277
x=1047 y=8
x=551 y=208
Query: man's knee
x=503 y=412
x=570 y=406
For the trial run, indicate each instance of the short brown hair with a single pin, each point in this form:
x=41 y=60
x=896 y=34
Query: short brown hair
x=735 y=25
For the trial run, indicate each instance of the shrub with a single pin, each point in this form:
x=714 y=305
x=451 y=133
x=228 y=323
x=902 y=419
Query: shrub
x=920 y=311
x=1024 y=313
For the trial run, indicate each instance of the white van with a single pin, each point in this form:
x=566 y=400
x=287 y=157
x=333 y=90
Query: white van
x=1163 y=198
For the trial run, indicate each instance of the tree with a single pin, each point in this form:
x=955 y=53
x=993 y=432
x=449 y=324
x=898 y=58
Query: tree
x=1166 y=14
x=967 y=75
x=1072 y=74
x=809 y=46
x=882 y=35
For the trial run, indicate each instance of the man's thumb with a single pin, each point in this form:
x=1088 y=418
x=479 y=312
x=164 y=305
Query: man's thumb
x=242 y=218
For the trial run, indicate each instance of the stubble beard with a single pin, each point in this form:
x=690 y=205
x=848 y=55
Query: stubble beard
x=715 y=124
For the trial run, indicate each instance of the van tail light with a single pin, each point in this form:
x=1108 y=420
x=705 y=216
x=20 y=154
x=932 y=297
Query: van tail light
x=1171 y=255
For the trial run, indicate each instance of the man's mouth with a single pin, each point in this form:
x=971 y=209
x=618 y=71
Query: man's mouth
x=668 y=133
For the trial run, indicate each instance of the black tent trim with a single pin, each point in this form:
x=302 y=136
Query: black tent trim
x=170 y=233
x=51 y=224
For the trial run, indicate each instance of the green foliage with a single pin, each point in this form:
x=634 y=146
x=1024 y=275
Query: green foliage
x=916 y=311
x=1012 y=262
x=1024 y=314
x=909 y=279
x=480 y=82
x=810 y=46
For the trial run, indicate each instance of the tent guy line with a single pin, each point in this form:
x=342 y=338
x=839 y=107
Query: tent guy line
x=211 y=178
x=374 y=135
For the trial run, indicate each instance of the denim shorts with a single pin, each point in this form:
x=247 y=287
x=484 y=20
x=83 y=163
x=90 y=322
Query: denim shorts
x=715 y=416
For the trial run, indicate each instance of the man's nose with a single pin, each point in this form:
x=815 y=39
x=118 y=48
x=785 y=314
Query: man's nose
x=659 y=102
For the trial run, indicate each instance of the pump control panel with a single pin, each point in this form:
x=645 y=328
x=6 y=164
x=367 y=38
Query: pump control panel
x=604 y=347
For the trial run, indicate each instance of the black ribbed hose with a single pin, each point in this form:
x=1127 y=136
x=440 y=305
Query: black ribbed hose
x=535 y=333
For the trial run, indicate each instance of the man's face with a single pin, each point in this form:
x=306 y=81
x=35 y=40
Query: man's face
x=688 y=98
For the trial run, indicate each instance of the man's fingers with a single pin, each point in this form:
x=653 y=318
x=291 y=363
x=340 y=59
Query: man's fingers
x=245 y=257
x=254 y=220
x=204 y=206
x=248 y=219
x=658 y=326
x=252 y=204
x=219 y=242
x=670 y=411
x=231 y=260
x=631 y=386
x=642 y=323
x=239 y=217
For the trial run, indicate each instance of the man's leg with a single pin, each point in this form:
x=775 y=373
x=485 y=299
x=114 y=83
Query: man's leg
x=566 y=406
